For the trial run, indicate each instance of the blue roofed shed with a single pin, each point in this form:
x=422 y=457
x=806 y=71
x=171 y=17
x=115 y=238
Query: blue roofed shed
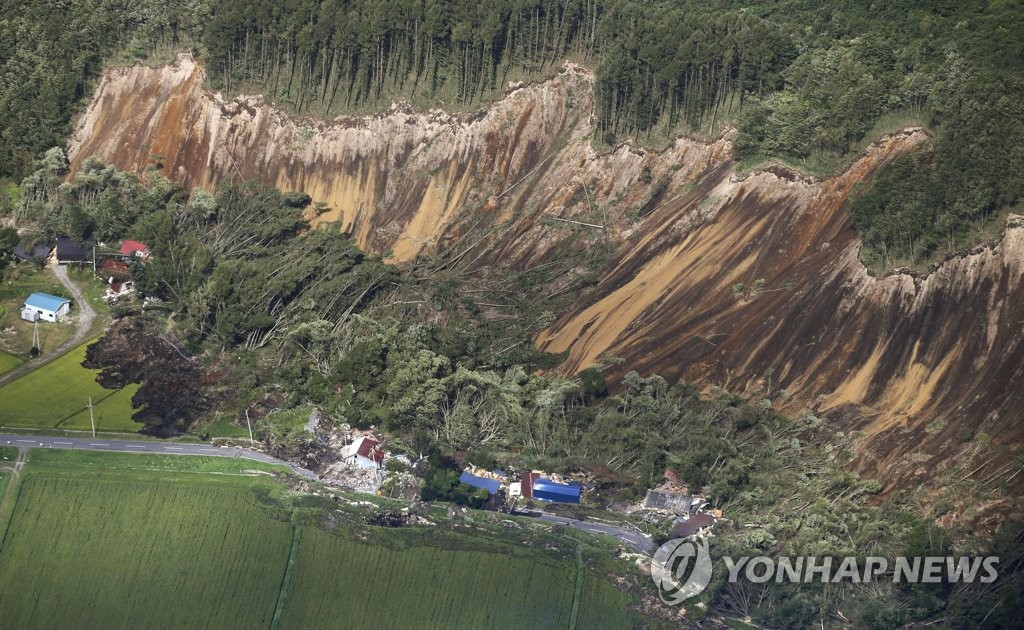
x=547 y=490
x=490 y=485
x=46 y=307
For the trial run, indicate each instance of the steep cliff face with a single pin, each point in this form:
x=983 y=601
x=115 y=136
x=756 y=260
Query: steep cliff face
x=749 y=281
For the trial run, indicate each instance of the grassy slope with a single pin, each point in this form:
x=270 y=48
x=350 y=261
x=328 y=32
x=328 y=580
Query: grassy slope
x=106 y=539
x=8 y=362
x=57 y=395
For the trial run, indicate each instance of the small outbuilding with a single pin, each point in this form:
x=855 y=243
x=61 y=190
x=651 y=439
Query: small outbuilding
x=46 y=307
x=672 y=501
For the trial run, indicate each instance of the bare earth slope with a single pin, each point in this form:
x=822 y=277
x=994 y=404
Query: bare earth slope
x=748 y=282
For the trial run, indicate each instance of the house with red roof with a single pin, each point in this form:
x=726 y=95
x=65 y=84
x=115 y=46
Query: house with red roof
x=112 y=268
x=135 y=248
x=365 y=452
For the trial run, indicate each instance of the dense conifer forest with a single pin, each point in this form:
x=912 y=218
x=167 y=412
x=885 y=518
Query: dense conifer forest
x=803 y=82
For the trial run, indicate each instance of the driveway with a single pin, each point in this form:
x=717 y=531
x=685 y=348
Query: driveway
x=84 y=316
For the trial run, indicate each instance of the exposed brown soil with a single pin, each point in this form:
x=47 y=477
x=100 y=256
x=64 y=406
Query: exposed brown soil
x=721 y=279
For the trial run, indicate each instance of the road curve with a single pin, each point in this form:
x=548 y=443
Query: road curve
x=152 y=448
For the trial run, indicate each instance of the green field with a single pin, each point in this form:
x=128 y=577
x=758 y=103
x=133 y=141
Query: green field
x=8 y=362
x=123 y=540
x=93 y=553
x=56 y=396
x=425 y=586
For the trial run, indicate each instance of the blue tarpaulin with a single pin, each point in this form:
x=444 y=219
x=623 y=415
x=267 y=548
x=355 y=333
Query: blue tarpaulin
x=547 y=490
x=490 y=485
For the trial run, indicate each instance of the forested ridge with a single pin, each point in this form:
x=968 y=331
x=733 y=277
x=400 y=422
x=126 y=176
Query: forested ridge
x=803 y=82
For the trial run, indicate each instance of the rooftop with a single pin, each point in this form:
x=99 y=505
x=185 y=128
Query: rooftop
x=46 y=301
x=491 y=485
x=131 y=247
x=370 y=449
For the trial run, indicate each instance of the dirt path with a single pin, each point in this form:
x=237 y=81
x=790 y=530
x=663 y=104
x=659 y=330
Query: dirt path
x=84 y=316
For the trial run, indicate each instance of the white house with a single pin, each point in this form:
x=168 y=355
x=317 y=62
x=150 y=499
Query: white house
x=365 y=452
x=46 y=307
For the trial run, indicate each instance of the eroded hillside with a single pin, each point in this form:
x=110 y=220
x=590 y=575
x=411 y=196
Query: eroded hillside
x=751 y=282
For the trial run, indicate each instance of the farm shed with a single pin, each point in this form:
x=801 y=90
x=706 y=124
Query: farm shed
x=547 y=490
x=47 y=307
x=490 y=485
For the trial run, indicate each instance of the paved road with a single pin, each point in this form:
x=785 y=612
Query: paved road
x=163 y=448
x=624 y=534
x=84 y=316
x=627 y=535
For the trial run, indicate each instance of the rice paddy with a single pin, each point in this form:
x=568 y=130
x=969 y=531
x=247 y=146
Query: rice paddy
x=133 y=541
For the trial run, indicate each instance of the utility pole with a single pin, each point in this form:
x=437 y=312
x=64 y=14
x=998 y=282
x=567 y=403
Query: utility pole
x=92 y=419
x=249 y=424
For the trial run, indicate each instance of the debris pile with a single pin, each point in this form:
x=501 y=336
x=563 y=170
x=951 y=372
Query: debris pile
x=397 y=518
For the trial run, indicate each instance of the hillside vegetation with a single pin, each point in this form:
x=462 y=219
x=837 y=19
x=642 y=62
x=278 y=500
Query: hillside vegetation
x=804 y=82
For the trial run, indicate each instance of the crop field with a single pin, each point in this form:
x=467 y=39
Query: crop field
x=8 y=362
x=425 y=587
x=56 y=396
x=96 y=553
x=602 y=606
x=125 y=540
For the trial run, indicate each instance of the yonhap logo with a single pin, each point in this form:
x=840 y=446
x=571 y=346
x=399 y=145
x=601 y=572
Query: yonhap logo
x=681 y=569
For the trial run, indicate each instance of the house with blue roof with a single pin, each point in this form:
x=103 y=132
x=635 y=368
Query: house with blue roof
x=46 y=307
